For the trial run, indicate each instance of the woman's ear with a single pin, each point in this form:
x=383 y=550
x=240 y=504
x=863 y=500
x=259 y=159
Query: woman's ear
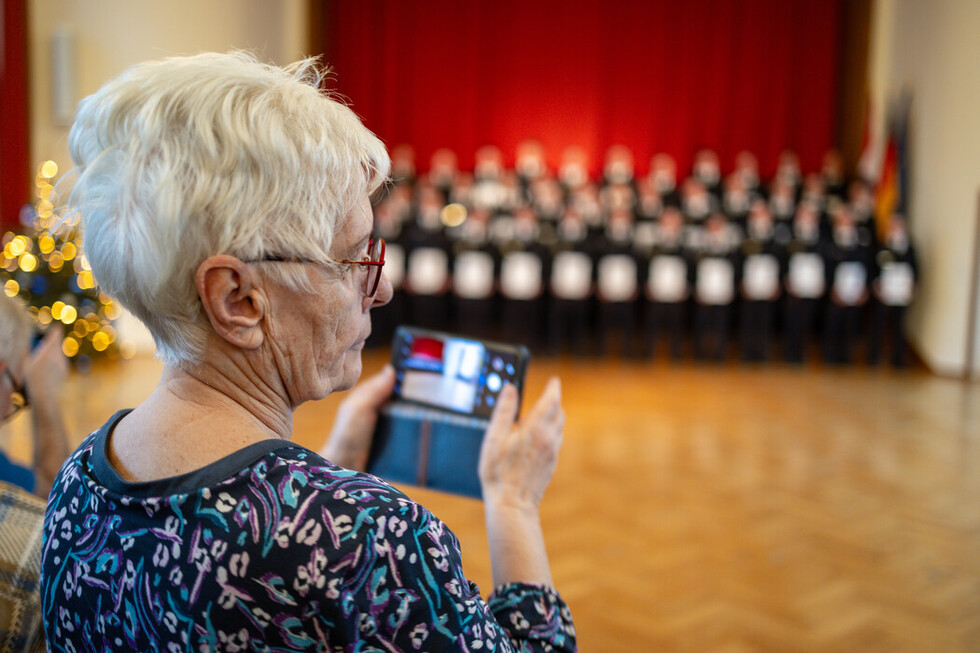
x=234 y=303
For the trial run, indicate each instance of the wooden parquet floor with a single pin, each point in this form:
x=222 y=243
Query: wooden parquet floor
x=727 y=508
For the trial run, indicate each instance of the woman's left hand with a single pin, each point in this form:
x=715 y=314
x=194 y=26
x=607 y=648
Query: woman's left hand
x=353 y=429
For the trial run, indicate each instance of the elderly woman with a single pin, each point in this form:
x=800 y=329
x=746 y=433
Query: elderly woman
x=225 y=203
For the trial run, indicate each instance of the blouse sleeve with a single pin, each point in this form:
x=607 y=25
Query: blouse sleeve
x=534 y=617
x=403 y=588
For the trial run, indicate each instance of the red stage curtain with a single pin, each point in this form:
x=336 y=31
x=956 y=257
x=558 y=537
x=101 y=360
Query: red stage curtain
x=656 y=75
x=15 y=176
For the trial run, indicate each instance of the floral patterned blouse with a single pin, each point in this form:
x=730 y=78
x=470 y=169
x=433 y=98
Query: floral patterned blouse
x=270 y=549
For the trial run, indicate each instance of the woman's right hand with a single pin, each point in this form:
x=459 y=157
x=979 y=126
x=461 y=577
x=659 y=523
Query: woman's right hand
x=518 y=458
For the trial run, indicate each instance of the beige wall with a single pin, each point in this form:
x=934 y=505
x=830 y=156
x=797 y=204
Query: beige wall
x=932 y=48
x=111 y=35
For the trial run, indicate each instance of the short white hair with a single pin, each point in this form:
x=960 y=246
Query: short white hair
x=187 y=157
x=15 y=330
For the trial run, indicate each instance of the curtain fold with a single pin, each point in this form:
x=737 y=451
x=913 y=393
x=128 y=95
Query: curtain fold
x=657 y=76
x=15 y=177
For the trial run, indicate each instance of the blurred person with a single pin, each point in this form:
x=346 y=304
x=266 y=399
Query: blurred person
x=782 y=202
x=618 y=166
x=585 y=201
x=524 y=263
x=530 y=164
x=573 y=172
x=894 y=280
x=571 y=286
x=428 y=260
x=403 y=164
x=475 y=267
x=848 y=262
x=463 y=189
x=814 y=193
x=617 y=283
x=617 y=196
x=547 y=199
x=649 y=201
x=28 y=380
x=666 y=283
x=696 y=202
x=663 y=175
x=443 y=168
x=861 y=205
x=714 y=287
x=759 y=284
x=747 y=171
x=32 y=380
x=191 y=521
x=489 y=163
x=707 y=170
x=737 y=200
x=832 y=173
x=788 y=172
x=803 y=249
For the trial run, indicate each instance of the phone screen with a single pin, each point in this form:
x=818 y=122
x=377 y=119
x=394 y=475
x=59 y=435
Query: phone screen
x=461 y=374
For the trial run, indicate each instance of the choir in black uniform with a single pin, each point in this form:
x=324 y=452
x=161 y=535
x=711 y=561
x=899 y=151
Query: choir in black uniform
x=711 y=264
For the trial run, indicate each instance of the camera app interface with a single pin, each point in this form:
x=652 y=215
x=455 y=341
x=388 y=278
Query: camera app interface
x=452 y=373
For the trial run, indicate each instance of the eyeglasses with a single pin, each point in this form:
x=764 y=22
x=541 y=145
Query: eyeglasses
x=373 y=262
x=18 y=398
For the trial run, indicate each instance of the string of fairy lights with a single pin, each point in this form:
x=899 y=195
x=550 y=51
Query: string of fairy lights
x=47 y=269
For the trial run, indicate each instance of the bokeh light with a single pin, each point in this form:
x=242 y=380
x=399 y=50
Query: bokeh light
x=28 y=262
x=453 y=215
x=68 y=314
x=69 y=346
x=49 y=169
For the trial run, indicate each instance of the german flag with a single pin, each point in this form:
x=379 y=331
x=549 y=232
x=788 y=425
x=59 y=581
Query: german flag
x=888 y=193
x=892 y=192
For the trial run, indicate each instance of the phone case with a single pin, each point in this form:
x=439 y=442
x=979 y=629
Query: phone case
x=428 y=447
x=431 y=447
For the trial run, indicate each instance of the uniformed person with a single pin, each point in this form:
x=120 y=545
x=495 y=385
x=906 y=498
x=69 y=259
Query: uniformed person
x=428 y=261
x=667 y=264
x=523 y=271
x=848 y=263
x=571 y=287
x=714 y=287
x=617 y=283
x=474 y=278
x=804 y=280
x=893 y=287
x=759 y=284
x=707 y=170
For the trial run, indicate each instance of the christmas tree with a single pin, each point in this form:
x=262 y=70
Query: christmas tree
x=46 y=268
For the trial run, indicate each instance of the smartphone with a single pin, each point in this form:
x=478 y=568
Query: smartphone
x=454 y=372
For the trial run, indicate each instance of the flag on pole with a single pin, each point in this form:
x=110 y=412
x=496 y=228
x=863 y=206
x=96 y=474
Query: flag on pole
x=887 y=195
x=892 y=193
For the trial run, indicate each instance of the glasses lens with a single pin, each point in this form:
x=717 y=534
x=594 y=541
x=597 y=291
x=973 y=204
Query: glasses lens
x=375 y=255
